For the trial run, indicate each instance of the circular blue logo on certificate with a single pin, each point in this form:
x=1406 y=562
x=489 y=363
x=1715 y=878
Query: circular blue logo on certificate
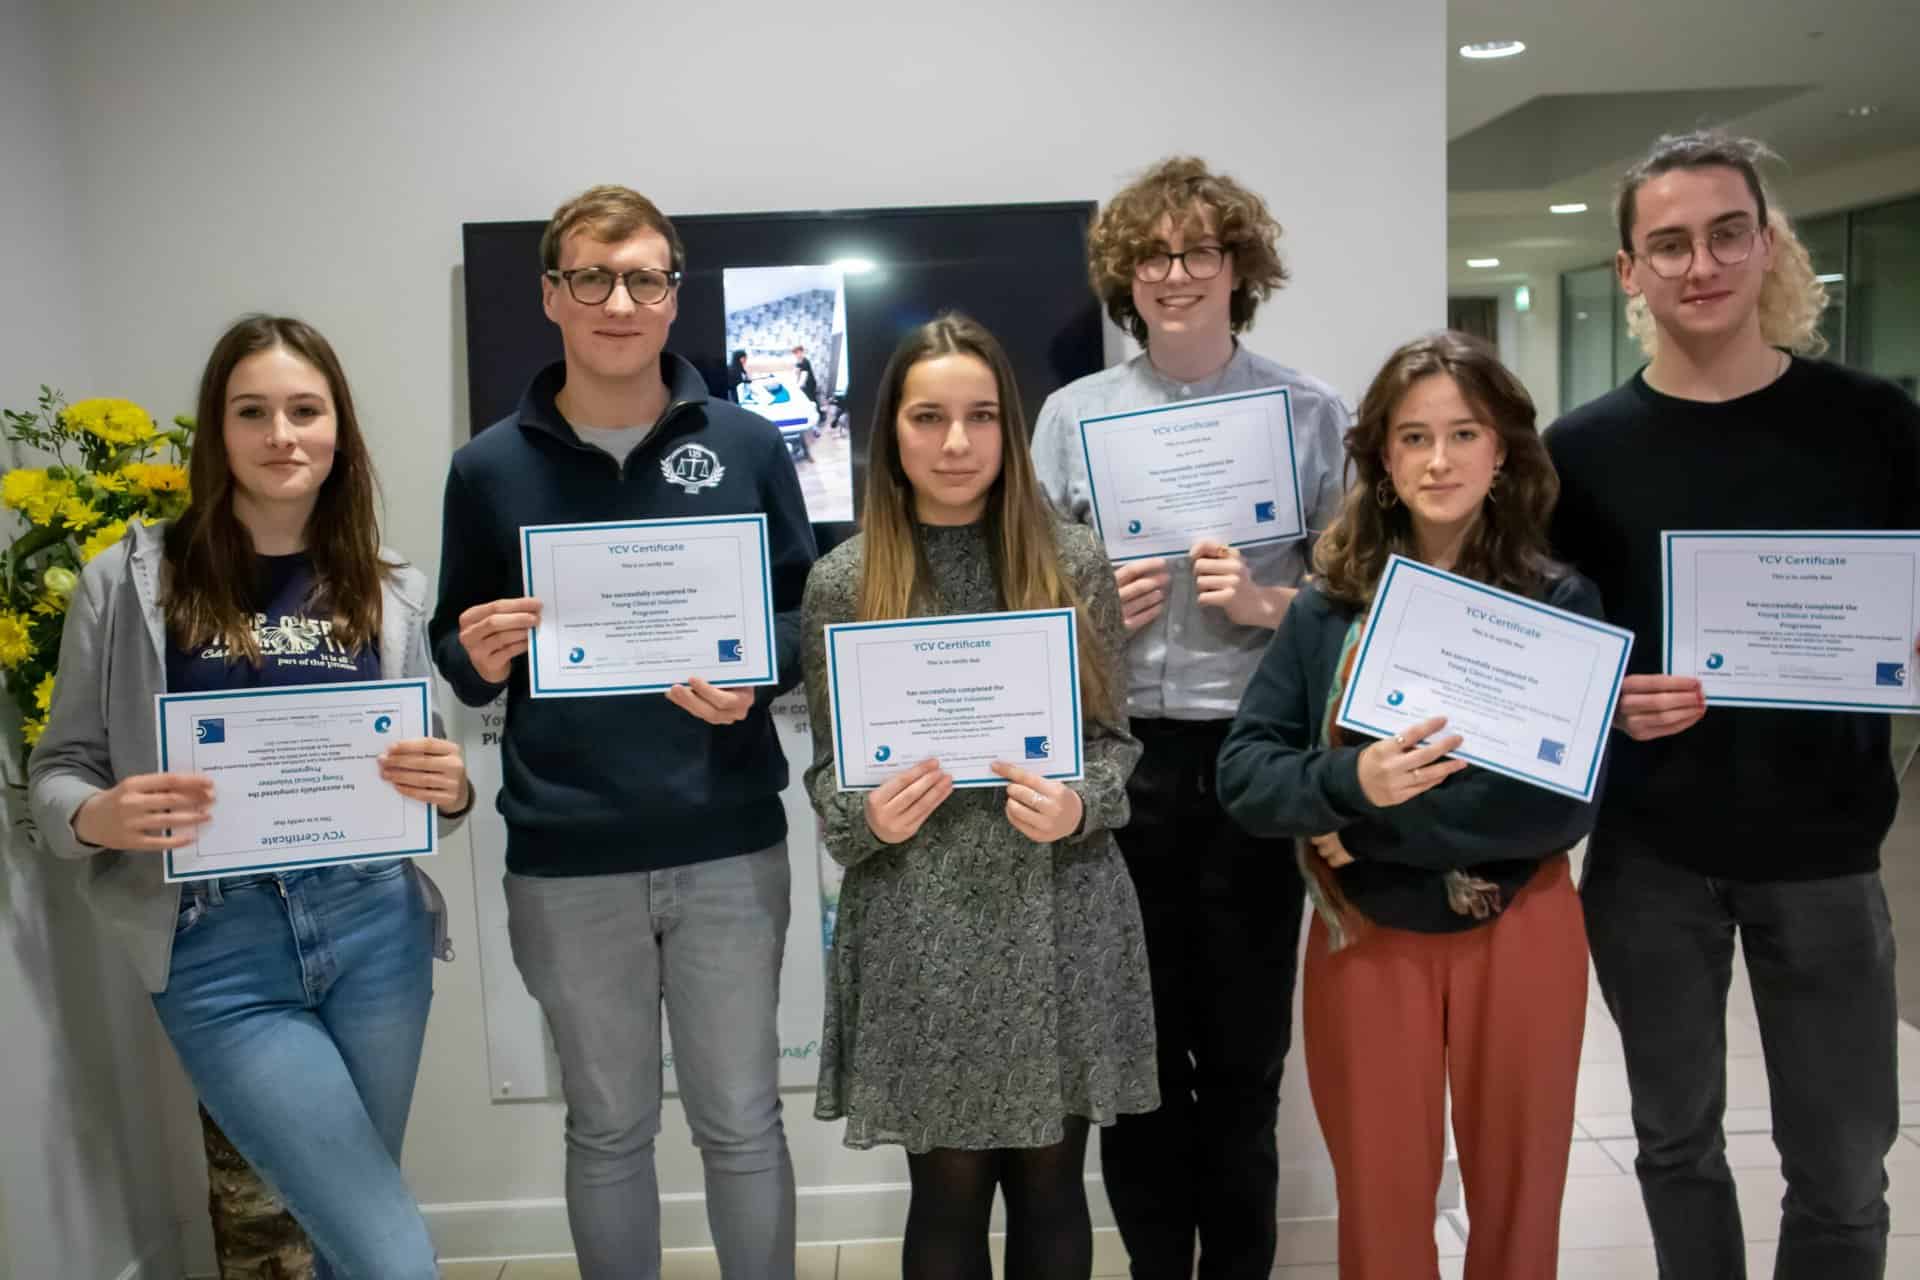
x=1395 y=698
x=1133 y=526
x=382 y=724
x=576 y=654
x=883 y=754
x=1715 y=661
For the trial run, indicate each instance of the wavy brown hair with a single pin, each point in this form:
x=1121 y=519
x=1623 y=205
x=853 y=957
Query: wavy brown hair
x=1507 y=546
x=208 y=550
x=895 y=579
x=1128 y=229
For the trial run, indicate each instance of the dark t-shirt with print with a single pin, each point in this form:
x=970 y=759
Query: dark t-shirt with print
x=294 y=635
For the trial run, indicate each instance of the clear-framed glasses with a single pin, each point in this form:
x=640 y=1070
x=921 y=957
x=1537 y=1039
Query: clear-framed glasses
x=1671 y=256
x=1203 y=262
x=591 y=286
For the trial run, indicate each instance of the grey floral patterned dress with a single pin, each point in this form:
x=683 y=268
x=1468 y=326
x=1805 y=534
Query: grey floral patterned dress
x=982 y=987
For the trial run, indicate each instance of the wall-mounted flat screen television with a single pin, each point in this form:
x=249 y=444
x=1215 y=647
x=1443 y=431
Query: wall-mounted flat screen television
x=793 y=315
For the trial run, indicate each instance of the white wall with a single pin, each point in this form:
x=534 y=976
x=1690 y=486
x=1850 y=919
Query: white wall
x=320 y=159
x=83 y=1185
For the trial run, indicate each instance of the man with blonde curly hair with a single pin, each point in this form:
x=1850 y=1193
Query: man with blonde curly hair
x=1181 y=258
x=1750 y=821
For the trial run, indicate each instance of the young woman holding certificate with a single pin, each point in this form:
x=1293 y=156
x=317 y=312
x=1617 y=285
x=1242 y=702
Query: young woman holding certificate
x=1447 y=941
x=988 y=995
x=297 y=1000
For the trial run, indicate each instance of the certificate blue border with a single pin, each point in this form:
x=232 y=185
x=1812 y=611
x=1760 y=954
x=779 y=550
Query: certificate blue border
x=963 y=619
x=609 y=526
x=1670 y=536
x=1619 y=635
x=1293 y=463
x=166 y=700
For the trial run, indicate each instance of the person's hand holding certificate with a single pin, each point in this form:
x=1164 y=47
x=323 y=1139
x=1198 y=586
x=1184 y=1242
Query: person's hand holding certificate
x=640 y=606
x=969 y=692
x=297 y=776
x=1529 y=689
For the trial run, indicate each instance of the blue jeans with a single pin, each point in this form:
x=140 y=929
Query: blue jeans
x=602 y=954
x=298 y=1004
x=1820 y=956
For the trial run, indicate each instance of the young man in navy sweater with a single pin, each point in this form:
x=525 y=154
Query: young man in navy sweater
x=646 y=854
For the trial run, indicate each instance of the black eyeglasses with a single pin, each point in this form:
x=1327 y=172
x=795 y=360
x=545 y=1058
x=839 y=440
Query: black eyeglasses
x=1672 y=256
x=1203 y=262
x=591 y=286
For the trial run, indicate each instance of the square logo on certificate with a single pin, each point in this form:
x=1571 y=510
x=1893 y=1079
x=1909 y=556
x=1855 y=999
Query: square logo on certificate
x=1039 y=748
x=1553 y=752
x=211 y=729
x=1890 y=675
x=730 y=651
x=1263 y=513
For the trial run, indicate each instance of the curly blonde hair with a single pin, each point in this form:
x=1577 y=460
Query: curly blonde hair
x=1792 y=299
x=1127 y=230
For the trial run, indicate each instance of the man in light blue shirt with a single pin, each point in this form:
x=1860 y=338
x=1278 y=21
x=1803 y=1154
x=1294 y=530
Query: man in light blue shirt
x=1181 y=259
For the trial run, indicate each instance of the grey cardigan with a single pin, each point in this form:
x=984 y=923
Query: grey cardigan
x=101 y=729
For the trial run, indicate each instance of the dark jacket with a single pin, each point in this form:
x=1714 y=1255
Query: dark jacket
x=607 y=784
x=1275 y=781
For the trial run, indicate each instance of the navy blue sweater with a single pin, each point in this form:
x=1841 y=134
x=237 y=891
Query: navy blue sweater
x=600 y=785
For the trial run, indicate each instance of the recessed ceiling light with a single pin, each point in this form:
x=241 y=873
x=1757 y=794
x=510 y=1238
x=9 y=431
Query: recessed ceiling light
x=1861 y=112
x=1492 y=49
x=1481 y=264
x=1575 y=207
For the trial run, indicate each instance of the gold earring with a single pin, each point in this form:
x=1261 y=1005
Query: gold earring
x=1384 y=494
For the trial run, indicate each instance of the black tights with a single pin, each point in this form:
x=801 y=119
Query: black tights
x=1049 y=1235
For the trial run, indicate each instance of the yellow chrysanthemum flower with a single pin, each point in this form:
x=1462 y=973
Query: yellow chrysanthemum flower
x=102 y=538
x=22 y=485
x=16 y=639
x=43 y=693
x=156 y=477
x=111 y=482
x=77 y=513
x=49 y=605
x=30 y=730
x=115 y=421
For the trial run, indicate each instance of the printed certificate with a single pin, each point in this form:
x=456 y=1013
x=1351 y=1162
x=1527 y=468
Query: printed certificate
x=1223 y=467
x=638 y=606
x=971 y=690
x=1529 y=687
x=1818 y=621
x=296 y=776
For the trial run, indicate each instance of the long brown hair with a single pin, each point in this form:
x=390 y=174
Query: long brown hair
x=895 y=578
x=208 y=550
x=1507 y=546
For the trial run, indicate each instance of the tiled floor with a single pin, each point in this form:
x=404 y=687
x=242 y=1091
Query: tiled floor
x=1604 y=1232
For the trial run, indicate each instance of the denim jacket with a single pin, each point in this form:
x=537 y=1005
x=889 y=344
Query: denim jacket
x=101 y=729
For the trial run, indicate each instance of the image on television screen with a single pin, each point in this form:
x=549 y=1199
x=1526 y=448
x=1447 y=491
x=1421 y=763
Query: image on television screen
x=786 y=344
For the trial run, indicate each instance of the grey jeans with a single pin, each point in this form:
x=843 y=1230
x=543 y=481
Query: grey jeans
x=1820 y=956
x=602 y=954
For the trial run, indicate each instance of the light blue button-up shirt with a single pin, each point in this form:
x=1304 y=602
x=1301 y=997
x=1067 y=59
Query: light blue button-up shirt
x=1192 y=662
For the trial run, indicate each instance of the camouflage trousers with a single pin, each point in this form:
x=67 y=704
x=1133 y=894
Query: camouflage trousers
x=254 y=1237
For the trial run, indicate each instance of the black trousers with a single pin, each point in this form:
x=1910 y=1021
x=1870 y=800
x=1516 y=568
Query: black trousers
x=1222 y=912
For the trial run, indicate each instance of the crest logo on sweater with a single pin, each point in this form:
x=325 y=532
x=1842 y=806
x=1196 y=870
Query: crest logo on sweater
x=693 y=467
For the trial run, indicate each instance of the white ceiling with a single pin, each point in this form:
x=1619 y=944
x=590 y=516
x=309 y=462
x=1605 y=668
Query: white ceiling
x=1600 y=79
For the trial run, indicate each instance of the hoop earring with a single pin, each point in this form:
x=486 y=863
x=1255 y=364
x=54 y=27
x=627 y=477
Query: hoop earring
x=1384 y=494
x=1493 y=488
